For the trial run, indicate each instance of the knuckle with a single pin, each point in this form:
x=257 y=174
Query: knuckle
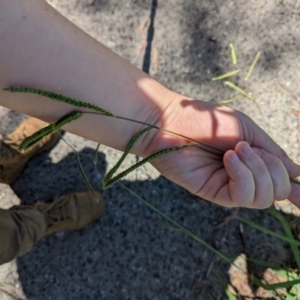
x=266 y=197
x=243 y=202
x=263 y=203
x=283 y=192
x=282 y=153
x=275 y=163
x=244 y=195
x=266 y=204
x=258 y=151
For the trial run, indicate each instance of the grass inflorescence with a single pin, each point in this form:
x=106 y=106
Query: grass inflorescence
x=32 y=140
x=60 y=98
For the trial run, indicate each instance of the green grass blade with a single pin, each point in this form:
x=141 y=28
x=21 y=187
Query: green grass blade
x=109 y=180
x=268 y=231
x=86 y=179
x=81 y=169
x=253 y=65
x=184 y=230
x=233 y=54
x=290 y=297
x=59 y=98
x=286 y=227
x=228 y=74
x=200 y=144
x=275 y=286
x=244 y=93
x=238 y=97
x=264 y=264
x=210 y=297
x=287 y=274
x=238 y=89
x=32 y=140
x=96 y=154
x=225 y=287
x=174 y=229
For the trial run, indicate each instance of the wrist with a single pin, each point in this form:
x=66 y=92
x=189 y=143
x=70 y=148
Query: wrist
x=162 y=115
x=153 y=109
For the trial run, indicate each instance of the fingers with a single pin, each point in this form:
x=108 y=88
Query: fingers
x=241 y=187
x=259 y=138
x=294 y=196
x=278 y=173
x=257 y=178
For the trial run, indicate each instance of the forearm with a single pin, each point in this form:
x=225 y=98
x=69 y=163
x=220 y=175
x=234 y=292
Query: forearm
x=41 y=49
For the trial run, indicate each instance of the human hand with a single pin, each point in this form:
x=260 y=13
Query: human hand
x=253 y=172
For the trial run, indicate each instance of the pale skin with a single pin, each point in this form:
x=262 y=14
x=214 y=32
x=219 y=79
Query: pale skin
x=41 y=49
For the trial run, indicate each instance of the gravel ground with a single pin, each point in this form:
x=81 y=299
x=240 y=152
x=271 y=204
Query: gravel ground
x=132 y=252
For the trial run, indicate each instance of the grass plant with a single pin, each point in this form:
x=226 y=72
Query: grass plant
x=292 y=276
x=292 y=283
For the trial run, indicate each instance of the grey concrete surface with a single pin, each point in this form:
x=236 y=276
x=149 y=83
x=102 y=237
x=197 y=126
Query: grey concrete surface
x=131 y=252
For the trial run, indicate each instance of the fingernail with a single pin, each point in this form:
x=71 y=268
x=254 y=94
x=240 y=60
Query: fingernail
x=247 y=150
x=234 y=158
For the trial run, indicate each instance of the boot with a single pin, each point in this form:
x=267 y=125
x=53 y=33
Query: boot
x=22 y=226
x=71 y=212
x=12 y=161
